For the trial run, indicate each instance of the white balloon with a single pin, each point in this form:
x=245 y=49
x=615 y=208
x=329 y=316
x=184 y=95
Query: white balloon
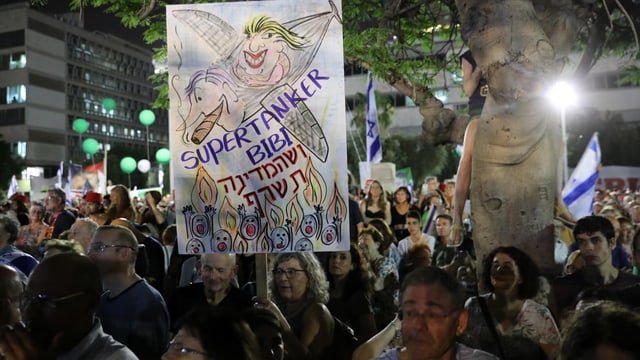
x=144 y=165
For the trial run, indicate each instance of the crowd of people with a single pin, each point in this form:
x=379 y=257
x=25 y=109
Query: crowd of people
x=103 y=280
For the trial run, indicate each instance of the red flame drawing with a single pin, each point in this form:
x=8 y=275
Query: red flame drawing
x=204 y=190
x=316 y=187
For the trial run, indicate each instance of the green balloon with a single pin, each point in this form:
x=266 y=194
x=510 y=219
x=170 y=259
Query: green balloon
x=90 y=146
x=108 y=104
x=147 y=117
x=128 y=164
x=163 y=156
x=80 y=125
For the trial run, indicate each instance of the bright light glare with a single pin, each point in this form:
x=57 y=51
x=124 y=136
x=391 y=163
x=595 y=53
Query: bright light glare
x=562 y=94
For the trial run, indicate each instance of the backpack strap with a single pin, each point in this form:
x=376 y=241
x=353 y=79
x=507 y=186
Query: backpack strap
x=492 y=326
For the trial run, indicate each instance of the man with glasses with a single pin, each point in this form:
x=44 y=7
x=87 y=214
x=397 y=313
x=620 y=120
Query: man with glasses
x=433 y=315
x=58 y=218
x=58 y=308
x=131 y=310
x=9 y=254
x=218 y=273
x=10 y=295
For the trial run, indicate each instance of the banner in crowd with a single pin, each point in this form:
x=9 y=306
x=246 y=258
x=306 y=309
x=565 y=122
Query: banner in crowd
x=258 y=130
x=619 y=178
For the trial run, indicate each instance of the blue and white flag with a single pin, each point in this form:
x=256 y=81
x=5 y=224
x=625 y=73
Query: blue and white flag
x=59 y=174
x=13 y=187
x=374 y=143
x=579 y=191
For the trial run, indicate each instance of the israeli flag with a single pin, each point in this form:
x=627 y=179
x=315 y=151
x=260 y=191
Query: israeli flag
x=13 y=187
x=579 y=191
x=374 y=144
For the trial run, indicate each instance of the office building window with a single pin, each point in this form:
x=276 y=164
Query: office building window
x=11 y=39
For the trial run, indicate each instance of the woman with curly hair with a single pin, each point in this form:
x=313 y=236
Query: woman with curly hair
x=299 y=292
x=375 y=205
x=350 y=290
x=505 y=321
x=384 y=272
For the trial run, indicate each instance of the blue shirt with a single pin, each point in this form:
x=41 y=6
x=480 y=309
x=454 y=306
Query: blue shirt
x=462 y=353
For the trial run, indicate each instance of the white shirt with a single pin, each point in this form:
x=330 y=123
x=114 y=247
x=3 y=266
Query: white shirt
x=405 y=244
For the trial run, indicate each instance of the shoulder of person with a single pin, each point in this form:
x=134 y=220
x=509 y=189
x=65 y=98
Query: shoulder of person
x=317 y=311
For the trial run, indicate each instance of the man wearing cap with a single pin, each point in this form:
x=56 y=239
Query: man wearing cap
x=58 y=218
x=94 y=208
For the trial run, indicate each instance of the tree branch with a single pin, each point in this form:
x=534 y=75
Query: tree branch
x=595 y=45
x=145 y=11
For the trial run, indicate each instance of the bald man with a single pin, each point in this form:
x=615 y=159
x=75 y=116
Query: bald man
x=216 y=289
x=10 y=295
x=59 y=309
x=131 y=310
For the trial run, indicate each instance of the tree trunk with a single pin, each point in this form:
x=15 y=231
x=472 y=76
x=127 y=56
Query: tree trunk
x=517 y=144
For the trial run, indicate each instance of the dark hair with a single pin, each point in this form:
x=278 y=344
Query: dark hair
x=427 y=275
x=607 y=323
x=377 y=237
x=357 y=279
x=445 y=216
x=414 y=215
x=406 y=191
x=592 y=224
x=385 y=230
x=527 y=268
x=223 y=335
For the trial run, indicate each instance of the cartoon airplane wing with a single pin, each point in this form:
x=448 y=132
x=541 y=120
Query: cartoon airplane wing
x=217 y=33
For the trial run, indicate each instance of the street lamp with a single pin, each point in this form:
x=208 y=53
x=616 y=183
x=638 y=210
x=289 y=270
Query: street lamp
x=563 y=95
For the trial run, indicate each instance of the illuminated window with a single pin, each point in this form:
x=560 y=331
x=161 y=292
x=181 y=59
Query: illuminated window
x=16 y=94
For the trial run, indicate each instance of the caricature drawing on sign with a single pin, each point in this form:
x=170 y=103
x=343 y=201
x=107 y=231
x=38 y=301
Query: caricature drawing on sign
x=303 y=244
x=212 y=96
x=266 y=61
x=195 y=246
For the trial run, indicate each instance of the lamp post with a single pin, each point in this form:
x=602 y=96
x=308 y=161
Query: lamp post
x=563 y=95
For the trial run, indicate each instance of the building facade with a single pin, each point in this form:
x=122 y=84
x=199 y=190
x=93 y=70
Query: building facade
x=52 y=72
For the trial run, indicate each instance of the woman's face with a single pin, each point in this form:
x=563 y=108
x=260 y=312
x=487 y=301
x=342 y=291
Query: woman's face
x=505 y=275
x=340 y=263
x=401 y=197
x=368 y=246
x=375 y=189
x=291 y=280
x=36 y=213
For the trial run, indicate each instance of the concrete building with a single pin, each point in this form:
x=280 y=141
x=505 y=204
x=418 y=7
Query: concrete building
x=53 y=71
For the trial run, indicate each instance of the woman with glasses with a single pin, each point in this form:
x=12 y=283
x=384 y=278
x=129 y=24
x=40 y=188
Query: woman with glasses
x=299 y=290
x=505 y=321
x=210 y=333
x=350 y=292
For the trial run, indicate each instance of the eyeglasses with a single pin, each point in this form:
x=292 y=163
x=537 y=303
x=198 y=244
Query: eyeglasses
x=289 y=273
x=100 y=247
x=429 y=315
x=178 y=348
x=47 y=301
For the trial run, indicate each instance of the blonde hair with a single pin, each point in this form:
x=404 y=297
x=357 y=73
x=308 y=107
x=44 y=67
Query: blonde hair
x=267 y=23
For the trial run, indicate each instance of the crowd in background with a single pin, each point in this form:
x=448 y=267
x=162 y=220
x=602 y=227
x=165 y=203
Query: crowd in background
x=102 y=278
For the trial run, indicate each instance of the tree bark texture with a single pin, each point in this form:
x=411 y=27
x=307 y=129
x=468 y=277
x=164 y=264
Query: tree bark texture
x=518 y=141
